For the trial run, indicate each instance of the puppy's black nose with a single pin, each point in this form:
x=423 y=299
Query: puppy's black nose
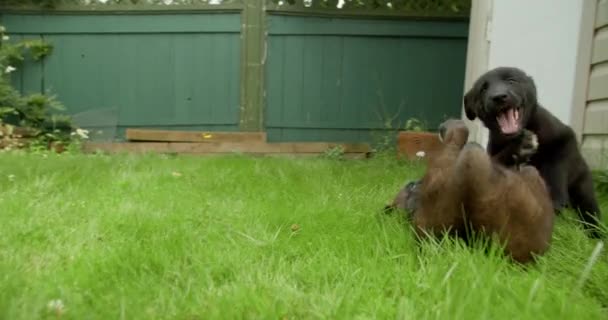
x=501 y=97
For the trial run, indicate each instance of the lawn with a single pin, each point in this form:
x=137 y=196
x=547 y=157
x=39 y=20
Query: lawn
x=236 y=237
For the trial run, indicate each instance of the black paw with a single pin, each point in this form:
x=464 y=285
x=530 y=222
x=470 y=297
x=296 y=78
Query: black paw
x=528 y=147
x=529 y=144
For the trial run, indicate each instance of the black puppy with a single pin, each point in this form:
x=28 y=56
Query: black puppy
x=504 y=99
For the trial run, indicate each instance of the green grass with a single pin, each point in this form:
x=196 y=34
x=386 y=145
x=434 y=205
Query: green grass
x=157 y=237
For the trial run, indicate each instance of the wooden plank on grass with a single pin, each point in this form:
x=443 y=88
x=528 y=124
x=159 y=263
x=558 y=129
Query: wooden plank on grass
x=111 y=147
x=223 y=147
x=192 y=136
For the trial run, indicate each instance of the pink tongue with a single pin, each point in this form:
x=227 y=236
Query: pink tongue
x=508 y=122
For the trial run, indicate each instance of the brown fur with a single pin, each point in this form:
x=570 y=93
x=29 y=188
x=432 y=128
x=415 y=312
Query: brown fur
x=513 y=205
x=439 y=200
x=463 y=186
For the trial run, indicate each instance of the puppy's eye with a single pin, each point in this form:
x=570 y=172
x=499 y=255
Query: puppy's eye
x=484 y=87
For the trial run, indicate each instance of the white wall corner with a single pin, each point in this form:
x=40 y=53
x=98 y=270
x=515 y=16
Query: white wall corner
x=479 y=39
x=545 y=42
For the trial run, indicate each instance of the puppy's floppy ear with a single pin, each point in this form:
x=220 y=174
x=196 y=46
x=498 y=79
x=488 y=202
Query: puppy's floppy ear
x=441 y=132
x=470 y=104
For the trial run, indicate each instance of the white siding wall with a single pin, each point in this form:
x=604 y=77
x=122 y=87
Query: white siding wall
x=595 y=120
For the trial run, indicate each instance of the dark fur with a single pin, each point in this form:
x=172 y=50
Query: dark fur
x=558 y=158
x=464 y=187
x=406 y=199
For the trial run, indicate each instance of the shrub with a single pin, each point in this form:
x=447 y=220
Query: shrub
x=38 y=116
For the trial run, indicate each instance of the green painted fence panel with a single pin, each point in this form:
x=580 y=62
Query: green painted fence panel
x=178 y=71
x=343 y=79
x=326 y=79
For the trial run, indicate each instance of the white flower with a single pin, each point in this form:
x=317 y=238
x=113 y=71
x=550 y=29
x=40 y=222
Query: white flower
x=56 y=306
x=82 y=133
x=10 y=69
x=420 y=154
x=2 y=29
x=5 y=38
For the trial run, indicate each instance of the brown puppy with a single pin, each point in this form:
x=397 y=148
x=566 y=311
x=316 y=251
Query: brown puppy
x=439 y=205
x=512 y=205
x=463 y=186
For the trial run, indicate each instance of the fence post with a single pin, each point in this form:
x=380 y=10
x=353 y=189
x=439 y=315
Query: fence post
x=253 y=50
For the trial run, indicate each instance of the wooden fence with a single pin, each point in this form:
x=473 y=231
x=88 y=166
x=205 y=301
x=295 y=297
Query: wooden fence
x=296 y=73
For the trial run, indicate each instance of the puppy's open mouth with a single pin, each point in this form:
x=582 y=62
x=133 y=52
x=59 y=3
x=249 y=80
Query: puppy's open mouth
x=508 y=120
